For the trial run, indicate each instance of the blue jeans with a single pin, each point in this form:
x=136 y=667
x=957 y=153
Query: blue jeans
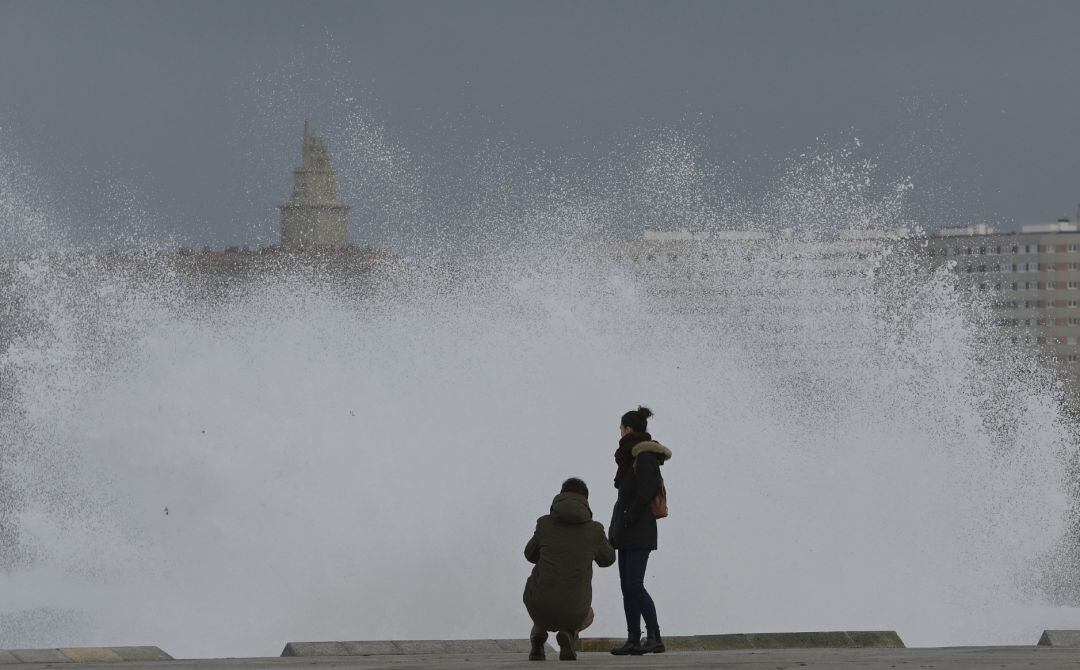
x=637 y=602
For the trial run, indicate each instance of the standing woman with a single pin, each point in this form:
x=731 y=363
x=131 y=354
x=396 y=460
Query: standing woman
x=633 y=526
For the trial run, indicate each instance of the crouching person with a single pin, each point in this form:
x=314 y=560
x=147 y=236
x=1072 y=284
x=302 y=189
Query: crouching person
x=558 y=594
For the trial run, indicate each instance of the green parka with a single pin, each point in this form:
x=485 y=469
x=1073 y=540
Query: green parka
x=558 y=593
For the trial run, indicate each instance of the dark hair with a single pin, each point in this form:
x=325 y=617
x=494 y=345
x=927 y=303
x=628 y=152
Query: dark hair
x=575 y=485
x=637 y=420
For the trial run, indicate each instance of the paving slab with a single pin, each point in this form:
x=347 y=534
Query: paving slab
x=518 y=646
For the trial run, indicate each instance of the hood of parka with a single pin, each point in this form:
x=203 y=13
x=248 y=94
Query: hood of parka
x=571 y=508
x=651 y=447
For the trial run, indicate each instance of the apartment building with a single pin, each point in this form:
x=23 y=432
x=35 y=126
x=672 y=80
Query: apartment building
x=781 y=288
x=1031 y=278
x=801 y=307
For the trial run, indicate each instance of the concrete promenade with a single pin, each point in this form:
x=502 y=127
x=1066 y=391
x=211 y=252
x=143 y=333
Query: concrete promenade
x=779 y=659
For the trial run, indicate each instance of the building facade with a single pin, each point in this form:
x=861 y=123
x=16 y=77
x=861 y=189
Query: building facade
x=1031 y=278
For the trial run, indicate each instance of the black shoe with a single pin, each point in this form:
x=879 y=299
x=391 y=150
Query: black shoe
x=566 y=645
x=651 y=645
x=631 y=646
x=536 y=650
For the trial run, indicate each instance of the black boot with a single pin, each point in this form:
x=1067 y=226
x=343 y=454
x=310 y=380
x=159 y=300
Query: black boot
x=565 y=639
x=536 y=648
x=653 y=644
x=631 y=646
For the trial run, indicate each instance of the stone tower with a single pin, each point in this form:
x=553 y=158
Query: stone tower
x=313 y=217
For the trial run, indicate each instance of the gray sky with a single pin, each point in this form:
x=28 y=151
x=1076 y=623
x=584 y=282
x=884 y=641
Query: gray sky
x=194 y=108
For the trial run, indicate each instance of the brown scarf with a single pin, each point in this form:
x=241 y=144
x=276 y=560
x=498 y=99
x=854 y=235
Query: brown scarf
x=624 y=457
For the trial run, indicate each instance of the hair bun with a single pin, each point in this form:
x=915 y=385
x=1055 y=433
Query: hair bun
x=644 y=412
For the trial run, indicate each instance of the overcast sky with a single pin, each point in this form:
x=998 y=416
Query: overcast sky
x=193 y=109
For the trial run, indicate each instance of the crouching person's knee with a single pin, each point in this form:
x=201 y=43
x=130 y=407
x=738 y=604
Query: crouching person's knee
x=588 y=620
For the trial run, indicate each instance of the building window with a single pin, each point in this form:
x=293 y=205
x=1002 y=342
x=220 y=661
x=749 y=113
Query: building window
x=967 y=251
x=1072 y=303
x=1014 y=268
x=997 y=250
x=982 y=251
x=1073 y=284
x=1071 y=340
x=1051 y=285
x=1015 y=249
x=1073 y=358
x=1072 y=248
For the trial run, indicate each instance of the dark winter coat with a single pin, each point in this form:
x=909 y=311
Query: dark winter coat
x=564 y=546
x=633 y=525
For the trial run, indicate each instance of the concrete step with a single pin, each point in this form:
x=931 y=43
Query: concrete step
x=82 y=655
x=407 y=647
x=887 y=639
x=1060 y=638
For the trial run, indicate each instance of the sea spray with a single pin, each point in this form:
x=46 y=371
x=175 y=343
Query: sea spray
x=294 y=455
